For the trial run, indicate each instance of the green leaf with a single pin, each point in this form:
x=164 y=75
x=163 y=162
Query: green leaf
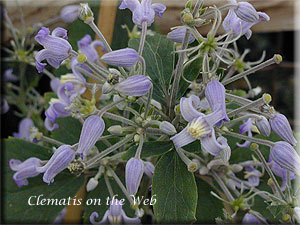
x=16 y=208
x=150 y=149
x=191 y=72
x=158 y=54
x=208 y=207
x=175 y=189
x=68 y=131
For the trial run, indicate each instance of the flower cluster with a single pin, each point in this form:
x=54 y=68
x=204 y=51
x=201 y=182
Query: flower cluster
x=115 y=99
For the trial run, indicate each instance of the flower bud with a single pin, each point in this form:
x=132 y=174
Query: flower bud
x=250 y=219
x=263 y=126
x=126 y=57
x=231 y=184
x=137 y=138
x=236 y=168
x=246 y=12
x=106 y=88
x=193 y=166
x=187 y=17
x=92 y=184
x=297 y=214
x=149 y=169
x=120 y=105
x=281 y=126
x=167 y=128
x=178 y=35
x=136 y=85
x=85 y=13
x=116 y=130
x=133 y=175
x=285 y=156
x=91 y=131
x=69 y=13
x=203 y=170
x=286 y=218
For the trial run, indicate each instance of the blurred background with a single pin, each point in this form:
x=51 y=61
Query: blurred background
x=275 y=37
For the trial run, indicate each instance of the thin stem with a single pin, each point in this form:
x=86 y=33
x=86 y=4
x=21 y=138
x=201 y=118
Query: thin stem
x=119 y=118
x=251 y=105
x=246 y=138
x=108 y=107
x=143 y=38
x=155 y=131
x=184 y=158
x=269 y=171
x=241 y=118
x=252 y=70
x=104 y=153
x=139 y=149
x=119 y=182
x=179 y=66
x=111 y=193
x=51 y=141
x=88 y=74
x=223 y=186
x=148 y=102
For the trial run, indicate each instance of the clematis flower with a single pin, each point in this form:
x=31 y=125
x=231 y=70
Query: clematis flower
x=143 y=11
x=91 y=131
x=133 y=174
x=136 y=85
x=57 y=106
x=59 y=161
x=200 y=126
x=215 y=95
x=246 y=12
x=281 y=126
x=24 y=129
x=286 y=156
x=56 y=47
x=235 y=24
x=24 y=170
x=246 y=127
x=54 y=84
x=252 y=175
x=8 y=76
x=126 y=57
x=263 y=126
x=69 y=13
x=178 y=34
x=114 y=215
x=88 y=47
x=4 y=106
x=251 y=219
x=149 y=169
x=280 y=172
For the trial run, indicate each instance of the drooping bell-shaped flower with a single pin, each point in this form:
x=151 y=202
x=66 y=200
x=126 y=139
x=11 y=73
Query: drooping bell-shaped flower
x=167 y=128
x=54 y=84
x=215 y=95
x=263 y=126
x=148 y=169
x=281 y=126
x=91 y=131
x=24 y=170
x=114 y=215
x=126 y=57
x=59 y=161
x=178 y=35
x=8 y=76
x=253 y=177
x=232 y=23
x=251 y=219
x=143 y=11
x=4 y=106
x=137 y=85
x=133 y=174
x=56 y=47
x=69 y=13
x=286 y=156
x=88 y=47
x=280 y=172
x=24 y=129
x=246 y=127
x=246 y=12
